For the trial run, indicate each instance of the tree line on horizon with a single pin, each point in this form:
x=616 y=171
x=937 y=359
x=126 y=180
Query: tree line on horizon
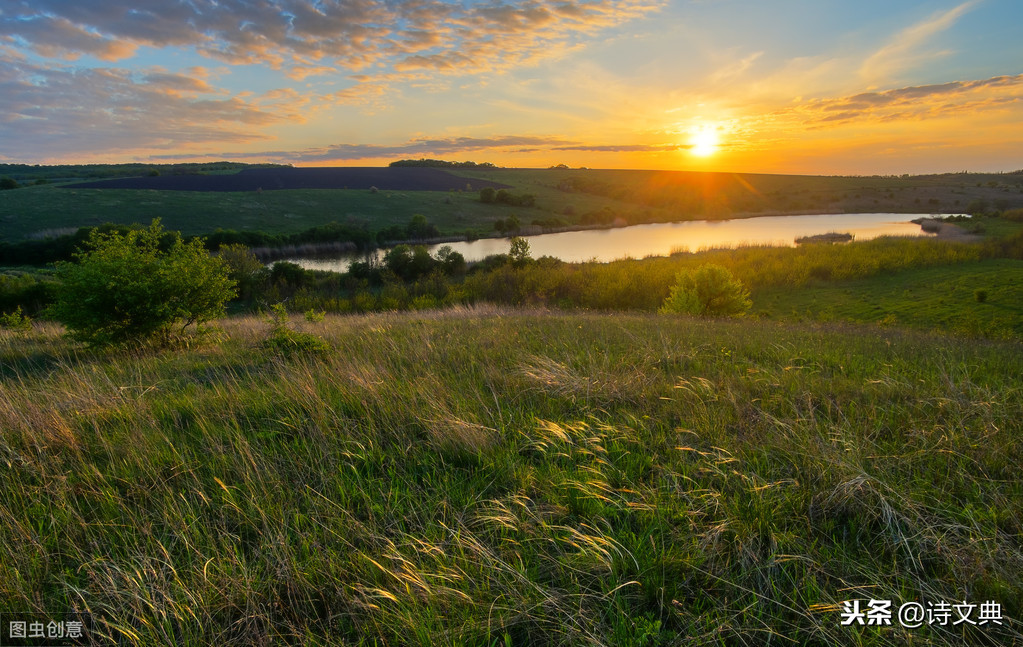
x=35 y=172
x=432 y=163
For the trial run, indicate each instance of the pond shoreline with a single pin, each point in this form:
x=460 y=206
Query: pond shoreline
x=604 y=243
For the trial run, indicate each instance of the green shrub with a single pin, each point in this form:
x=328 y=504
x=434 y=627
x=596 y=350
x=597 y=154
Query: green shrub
x=138 y=285
x=1015 y=215
x=282 y=339
x=314 y=316
x=244 y=268
x=710 y=290
x=15 y=321
x=419 y=227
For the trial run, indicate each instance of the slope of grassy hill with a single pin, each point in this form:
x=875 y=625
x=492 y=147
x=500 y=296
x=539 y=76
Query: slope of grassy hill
x=972 y=298
x=513 y=477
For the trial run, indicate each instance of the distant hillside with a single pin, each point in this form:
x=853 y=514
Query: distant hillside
x=297 y=199
x=286 y=177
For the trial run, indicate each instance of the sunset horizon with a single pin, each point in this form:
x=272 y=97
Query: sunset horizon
x=689 y=86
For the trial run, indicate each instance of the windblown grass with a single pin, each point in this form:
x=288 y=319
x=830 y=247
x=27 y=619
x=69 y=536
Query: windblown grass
x=498 y=476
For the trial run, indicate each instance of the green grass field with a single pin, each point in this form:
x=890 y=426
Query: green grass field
x=38 y=210
x=937 y=298
x=499 y=476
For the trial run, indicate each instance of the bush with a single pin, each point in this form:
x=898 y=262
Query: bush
x=710 y=290
x=419 y=228
x=138 y=285
x=282 y=339
x=31 y=292
x=977 y=207
x=247 y=271
x=409 y=263
x=15 y=321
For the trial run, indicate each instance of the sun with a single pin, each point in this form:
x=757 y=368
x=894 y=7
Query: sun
x=704 y=142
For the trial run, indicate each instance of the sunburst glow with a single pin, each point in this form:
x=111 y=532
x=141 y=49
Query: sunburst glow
x=704 y=142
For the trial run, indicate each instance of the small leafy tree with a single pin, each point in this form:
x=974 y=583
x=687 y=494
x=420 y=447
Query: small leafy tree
x=129 y=287
x=519 y=252
x=710 y=290
x=451 y=262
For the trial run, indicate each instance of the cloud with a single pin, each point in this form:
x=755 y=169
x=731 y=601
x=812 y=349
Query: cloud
x=431 y=147
x=901 y=51
x=64 y=110
x=735 y=69
x=315 y=36
x=913 y=102
x=381 y=45
x=626 y=148
x=419 y=147
x=56 y=37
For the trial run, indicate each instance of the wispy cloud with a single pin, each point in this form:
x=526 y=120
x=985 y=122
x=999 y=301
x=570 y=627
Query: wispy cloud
x=903 y=50
x=735 y=69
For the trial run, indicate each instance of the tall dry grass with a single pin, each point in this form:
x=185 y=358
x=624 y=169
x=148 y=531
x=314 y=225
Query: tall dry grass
x=499 y=476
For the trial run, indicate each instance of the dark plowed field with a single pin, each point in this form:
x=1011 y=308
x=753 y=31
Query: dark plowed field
x=268 y=179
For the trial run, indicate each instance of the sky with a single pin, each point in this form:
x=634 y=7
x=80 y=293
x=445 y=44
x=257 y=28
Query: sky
x=824 y=87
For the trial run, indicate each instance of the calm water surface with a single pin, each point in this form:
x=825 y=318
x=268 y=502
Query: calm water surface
x=664 y=238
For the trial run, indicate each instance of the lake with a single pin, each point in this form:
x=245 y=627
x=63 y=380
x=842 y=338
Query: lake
x=662 y=239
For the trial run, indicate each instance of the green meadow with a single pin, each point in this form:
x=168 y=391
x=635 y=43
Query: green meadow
x=39 y=211
x=502 y=476
x=981 y=298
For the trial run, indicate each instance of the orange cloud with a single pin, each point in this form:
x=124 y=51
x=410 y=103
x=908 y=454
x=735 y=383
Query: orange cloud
x=915 y=102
